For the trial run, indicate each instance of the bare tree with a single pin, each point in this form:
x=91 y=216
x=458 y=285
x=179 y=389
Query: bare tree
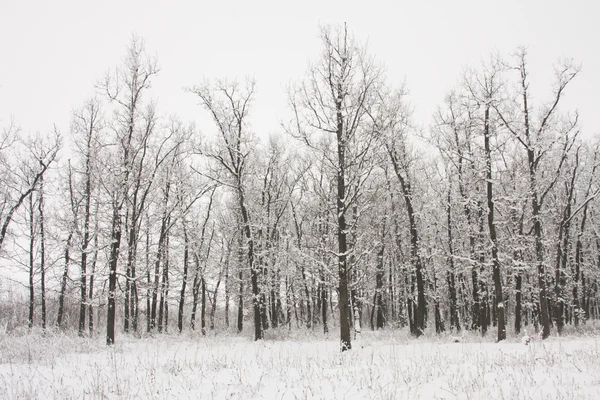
x=484 y=91
x=86 y=129
x=23 y=165
x=125 y=89
x=536 y=139
x=229 y=103
x=334 y=99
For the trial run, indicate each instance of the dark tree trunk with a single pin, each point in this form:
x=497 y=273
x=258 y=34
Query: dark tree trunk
x=86 y=223
x=577 y=309
x=498 y=294
x=380 y=273
x=203 y=307
x=342 y=229
x=112 y=277
x=63 y=283
x=42 y=252
x=421 y=308
x=157 y=277
x=148 y=279
x=450 y=275
x=324 y=303
x=518 y=301
x=198 y=272
x=223 y=269
x=227 y=293
x=91 y=285
x=186 y=252
x=163 y=312
x=240 y=314
x=31 y=262
x=483 y=290
x=213 y=307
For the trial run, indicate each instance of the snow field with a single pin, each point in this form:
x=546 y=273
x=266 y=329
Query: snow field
x=380 y=366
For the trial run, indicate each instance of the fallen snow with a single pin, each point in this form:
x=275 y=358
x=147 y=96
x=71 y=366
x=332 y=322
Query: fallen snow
x=379 y=366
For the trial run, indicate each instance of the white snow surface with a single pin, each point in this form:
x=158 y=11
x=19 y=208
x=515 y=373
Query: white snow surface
x=380 y=366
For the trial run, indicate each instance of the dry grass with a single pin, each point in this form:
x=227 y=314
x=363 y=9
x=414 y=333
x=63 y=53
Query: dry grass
x=383 y=365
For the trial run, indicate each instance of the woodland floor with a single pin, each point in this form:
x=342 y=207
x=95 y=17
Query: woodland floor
x=288 y=365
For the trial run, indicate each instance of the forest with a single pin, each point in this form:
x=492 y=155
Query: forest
x=354 y=216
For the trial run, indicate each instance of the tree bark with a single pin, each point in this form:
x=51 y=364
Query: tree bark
x=186 y=252
x=63 y=283
x=31 y=261
x=451 y=274
x=421 y=308
x=112 y=277
x=42 y=251
x=499 y=297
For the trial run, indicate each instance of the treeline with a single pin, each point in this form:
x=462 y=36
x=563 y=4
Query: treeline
x=353 y=215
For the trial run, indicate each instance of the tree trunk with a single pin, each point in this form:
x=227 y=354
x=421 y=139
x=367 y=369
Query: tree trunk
x=31 y=262
x=63 y=283
x=203 y=307
x=185 y=278
x=450 y=275
x=227 y=293
x=577 y=309
x=240 y=315
x=421 y=308
x=342 y=228
x=42 y=252
x=112 y=277
x=499 y=297
x=92 y=274
x=149 y=285
x=91 y=285
x=324 y=303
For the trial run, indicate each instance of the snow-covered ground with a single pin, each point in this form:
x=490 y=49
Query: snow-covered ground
x=384 y=365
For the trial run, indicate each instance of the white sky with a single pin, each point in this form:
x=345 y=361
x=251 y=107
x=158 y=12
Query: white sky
x=52 y=52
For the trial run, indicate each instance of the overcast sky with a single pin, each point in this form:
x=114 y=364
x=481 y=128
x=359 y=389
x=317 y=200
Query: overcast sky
x=53 y=52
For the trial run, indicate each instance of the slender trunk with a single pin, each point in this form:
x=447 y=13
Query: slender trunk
x=342 y=229
x=254 y=269
x=91 y=285
x=380 y=318
x=112 y=277
x=163 y=310
x=157 y=276
x=240 y=314
x=563 y=250
x=203 y=308
x=63 y=282
x=86 y=230
x=185 y=278
x=450 y=275
x=195 y=291
x=324 y=303
x=31 y=262
x=148 y=279
x=499 y=297
x=421 y=308
x=380 y=273
x=227 y=294
x=483 y=290
x=213 y=308
x=42 y=252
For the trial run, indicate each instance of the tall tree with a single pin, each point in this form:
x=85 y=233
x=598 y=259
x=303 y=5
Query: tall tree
x=536 y=138
x=125 y=89
x=86 y=129
x=229 y=104
x=484 y=90
x=335 y=99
